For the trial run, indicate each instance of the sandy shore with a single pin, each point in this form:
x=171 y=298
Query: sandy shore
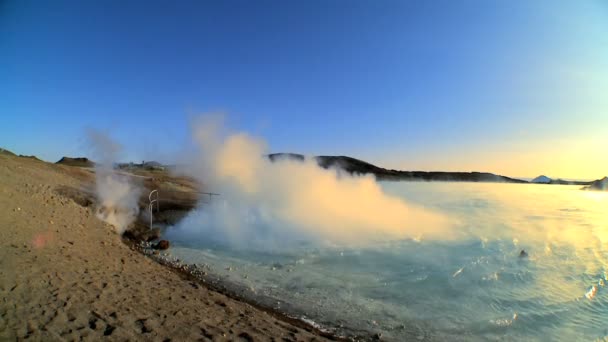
x=65 y=275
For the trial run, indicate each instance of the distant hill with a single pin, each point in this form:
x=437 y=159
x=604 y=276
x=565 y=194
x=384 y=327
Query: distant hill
x=284 y=156
x=541 y=179
x=153 y=165
x=546 y=180
x=356 y=166
x=5 y=151
x=82 y=162
x=568 y=182
x=147 y=165
x=600 y=184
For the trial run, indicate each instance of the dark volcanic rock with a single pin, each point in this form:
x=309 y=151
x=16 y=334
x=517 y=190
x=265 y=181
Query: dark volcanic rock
x=162 y=245
x=82 y=162
x=150 y=235
x=136 y=231
x=141 y=232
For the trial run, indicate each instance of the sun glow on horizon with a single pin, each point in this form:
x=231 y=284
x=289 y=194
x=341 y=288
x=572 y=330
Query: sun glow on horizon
x=567 y=159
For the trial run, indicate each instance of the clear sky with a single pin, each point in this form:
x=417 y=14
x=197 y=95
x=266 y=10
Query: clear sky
x=513 y=87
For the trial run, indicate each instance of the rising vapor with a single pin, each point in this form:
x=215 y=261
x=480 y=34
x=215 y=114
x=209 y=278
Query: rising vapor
x=117 y=195
x=266 y=203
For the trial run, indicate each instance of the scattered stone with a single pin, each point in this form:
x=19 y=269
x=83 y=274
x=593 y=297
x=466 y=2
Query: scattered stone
x=109 y=329
x=162 y=245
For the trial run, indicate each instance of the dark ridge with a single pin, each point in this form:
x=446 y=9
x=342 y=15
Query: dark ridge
x=567 y=182
x=356 y=166
x=453 y=177
x=152 y=164
x=82 y=162
x=600 y=184
x=352 y=165
x=145 y=165
x=5 y=151
x=283 y=156
x=29 y=157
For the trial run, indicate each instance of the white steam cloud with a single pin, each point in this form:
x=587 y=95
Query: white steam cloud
x=117 y=195
x=264 y=203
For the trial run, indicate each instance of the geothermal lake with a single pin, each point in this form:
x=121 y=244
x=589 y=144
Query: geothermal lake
x=475 y=287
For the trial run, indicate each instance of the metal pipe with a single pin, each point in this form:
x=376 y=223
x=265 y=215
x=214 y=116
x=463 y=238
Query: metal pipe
x=155 y=200
x=151 y=205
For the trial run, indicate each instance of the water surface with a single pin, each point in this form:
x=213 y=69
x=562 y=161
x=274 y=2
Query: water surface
x=474 y=288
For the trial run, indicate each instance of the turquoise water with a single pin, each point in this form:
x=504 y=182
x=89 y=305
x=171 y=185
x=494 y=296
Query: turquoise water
x=475 y=287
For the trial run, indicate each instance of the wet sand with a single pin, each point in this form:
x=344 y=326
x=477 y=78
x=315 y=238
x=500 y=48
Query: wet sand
x=65 y=275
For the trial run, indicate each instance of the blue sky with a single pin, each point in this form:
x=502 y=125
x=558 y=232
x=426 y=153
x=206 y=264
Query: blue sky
x=514 y=87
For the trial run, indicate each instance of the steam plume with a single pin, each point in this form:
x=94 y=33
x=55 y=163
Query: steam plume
x=266 y=203
x=117 y=195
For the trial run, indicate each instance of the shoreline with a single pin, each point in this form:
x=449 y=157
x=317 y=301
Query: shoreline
x=196 y=276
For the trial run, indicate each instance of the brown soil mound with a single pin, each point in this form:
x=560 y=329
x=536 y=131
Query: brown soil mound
x=29 y=157
x=65 y=275
x=5 y=151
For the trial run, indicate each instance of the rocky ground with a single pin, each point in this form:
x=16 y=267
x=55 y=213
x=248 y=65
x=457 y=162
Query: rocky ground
x=65 y=275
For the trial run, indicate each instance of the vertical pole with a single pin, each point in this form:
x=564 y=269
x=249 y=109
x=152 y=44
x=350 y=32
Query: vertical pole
x=157 y=203
x=151 y=205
